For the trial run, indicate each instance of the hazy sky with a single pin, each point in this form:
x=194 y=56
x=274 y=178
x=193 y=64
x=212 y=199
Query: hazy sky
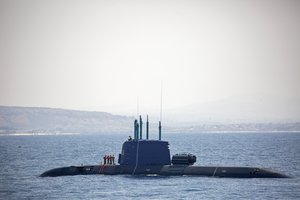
x=218 y=60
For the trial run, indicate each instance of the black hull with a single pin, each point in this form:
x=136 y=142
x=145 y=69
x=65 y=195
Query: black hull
x=165 y=170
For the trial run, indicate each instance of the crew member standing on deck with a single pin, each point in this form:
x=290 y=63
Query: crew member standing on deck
x=113 y=159
x=110 y=159
x=104 y=158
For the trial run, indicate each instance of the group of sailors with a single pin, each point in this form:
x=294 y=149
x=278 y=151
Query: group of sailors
x=109 y=159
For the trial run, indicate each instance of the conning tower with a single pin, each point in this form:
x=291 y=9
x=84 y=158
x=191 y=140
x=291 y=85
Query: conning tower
x=141 y=152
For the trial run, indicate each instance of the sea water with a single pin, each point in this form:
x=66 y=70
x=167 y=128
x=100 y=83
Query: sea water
x=24 y=158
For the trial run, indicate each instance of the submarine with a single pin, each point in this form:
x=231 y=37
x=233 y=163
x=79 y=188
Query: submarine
x=152 y=157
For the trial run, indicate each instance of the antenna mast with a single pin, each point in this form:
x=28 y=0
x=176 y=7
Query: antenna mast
x=161 y=93
x=137 y=107
x=159 y=125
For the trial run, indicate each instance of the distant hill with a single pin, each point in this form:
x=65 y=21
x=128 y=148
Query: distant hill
x=35 y=120
x=52 y=120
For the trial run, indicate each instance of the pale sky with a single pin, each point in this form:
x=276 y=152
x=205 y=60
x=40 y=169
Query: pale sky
x=218 y=60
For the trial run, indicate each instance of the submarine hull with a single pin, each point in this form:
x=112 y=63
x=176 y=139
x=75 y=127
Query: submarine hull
x=166 y=170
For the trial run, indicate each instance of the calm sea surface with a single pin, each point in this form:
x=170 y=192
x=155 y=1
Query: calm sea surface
x=23 y=158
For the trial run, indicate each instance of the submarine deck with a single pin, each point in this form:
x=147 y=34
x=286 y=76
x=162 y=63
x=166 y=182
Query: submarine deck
x=166 y=170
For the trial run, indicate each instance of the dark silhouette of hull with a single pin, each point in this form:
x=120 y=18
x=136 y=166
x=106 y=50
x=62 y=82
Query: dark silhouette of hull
x=165 y=170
